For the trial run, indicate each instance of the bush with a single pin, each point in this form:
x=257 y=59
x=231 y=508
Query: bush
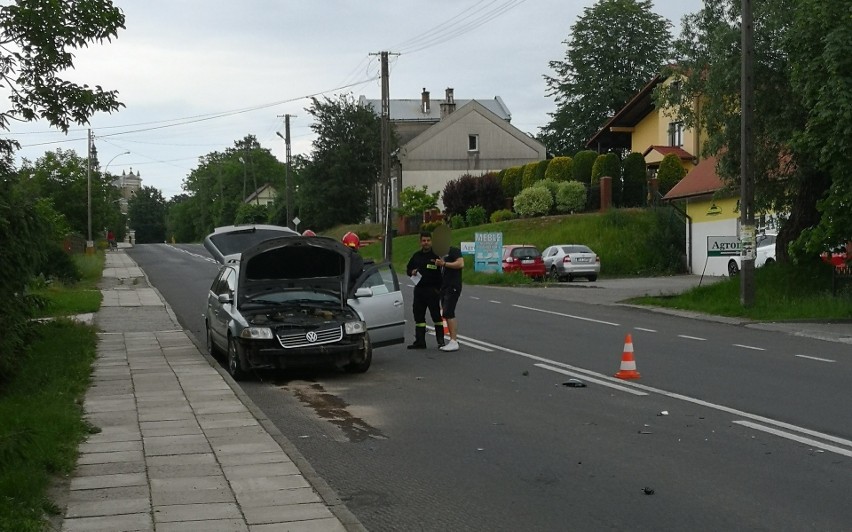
x=58 y=265
x=476 y=216
x=560 y=169
x=670 y=173
x=551 y=187
x=467 y=191
x=430 y=226
x=502 y=215
x=513 y=181
x=529 y=175
x=634 y=172
x=456 y=221
x=583 y=163
x=570 y=196
x=414 y=202
x=533 y=201
x=541 y=169
x=606 y=165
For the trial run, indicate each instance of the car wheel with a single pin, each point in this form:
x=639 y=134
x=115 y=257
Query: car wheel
x=362 y=363
x=593 y=278
x=554 y=275
x=235 y=361
x=768 y=262
x=733 y=269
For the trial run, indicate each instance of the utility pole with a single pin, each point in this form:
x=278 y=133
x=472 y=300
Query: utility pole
x=747 y=229
x=90 y=244
x=288 y=194
x=385 y=179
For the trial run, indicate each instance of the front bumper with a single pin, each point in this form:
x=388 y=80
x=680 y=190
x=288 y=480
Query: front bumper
x=270 y=353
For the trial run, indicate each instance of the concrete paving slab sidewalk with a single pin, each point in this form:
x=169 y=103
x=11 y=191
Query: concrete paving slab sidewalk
x=180 y=446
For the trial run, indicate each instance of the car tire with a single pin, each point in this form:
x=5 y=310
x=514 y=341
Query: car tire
x=361 y=366
x=768 y=262
x=554 y=275
x=593 y=278
x=235 y=361
x=733 y=268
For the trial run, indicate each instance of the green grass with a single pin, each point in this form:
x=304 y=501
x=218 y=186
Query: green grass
x=83 y=297
x=42 y=425
x=782 y=292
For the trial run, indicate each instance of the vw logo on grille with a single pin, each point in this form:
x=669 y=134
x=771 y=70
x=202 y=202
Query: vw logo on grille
x=311 y=337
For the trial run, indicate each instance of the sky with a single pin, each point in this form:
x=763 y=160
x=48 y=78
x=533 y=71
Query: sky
x=196 y=76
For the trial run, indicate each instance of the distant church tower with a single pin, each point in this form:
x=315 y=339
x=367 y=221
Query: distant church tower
x=129 y=184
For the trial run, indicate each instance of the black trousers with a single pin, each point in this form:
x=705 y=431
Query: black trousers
x=426 y=297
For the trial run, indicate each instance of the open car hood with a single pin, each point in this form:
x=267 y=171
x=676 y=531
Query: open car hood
x=227 y=243
x=306 y=262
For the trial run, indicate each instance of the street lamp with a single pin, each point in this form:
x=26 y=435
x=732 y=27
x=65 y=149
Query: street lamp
x=244 y=178
x=106 y=168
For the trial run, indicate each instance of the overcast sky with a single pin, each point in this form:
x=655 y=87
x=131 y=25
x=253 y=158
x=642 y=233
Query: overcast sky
x=197 y=75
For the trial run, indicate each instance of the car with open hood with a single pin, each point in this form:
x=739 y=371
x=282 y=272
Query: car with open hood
x=283 y=300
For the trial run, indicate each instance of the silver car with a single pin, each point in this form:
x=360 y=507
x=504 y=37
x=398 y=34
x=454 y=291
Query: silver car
x=282 y=300
x=569 y=261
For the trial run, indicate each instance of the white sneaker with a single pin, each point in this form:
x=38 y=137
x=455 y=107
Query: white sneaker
x=452 y=345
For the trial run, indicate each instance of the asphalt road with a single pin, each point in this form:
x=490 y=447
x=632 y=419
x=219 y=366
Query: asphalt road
x=729 y=427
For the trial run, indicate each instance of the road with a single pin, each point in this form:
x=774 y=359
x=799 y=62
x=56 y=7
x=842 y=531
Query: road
x=729 y=428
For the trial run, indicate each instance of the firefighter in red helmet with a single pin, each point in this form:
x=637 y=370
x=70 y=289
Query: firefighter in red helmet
x=308 y=232
x=351 y=240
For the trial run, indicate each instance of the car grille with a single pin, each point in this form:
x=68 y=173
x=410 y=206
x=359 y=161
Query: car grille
x=310 y=338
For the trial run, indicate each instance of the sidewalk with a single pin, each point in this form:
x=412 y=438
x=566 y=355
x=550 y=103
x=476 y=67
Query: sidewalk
x=179 y=448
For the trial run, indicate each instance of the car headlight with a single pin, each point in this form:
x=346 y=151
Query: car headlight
x=355 y=327
x=256 y=333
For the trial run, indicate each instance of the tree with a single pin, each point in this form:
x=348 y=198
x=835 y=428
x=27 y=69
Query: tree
x=584 y=161
x=635 y=173
x=671 y=171
x=616 y=46
x=414 y=202
x=345 y=163
x=802 y=105
x=37 y=42
x=560 y=169
x=147 y=215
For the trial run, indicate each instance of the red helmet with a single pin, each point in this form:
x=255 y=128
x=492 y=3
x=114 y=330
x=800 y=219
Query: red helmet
x=351 y=240
x=308 y=232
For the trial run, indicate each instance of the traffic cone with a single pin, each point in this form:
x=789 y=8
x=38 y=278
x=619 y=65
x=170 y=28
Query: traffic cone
x=446 y=327
x=628 y=364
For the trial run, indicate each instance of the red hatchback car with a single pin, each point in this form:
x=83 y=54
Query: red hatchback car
x=524 y=258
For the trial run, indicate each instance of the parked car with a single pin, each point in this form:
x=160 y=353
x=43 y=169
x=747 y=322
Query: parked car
x=524 y=258
x=569 y=261
x=836 y=256
x=764 y=254
x=283 y=300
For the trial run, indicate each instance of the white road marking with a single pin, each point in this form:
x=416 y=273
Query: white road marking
x=646 y=330
x=473 y=297
x=589 y=379
x=692 y=337
x=467 y=343
x=816 y=358
x=713 y=406
x=496 y=302
x=794 y=437
x=567 y=315
x=750 y=347
x=202 y=257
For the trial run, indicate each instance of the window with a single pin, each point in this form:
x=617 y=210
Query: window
x=676 y=134
x=473 y=143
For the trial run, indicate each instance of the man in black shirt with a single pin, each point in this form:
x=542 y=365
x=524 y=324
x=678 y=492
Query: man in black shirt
x=452 y=266
x=426 y=292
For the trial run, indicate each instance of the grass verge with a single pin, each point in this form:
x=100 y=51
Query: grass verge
x=42 y=421
x=82 y=297
x=782 y=292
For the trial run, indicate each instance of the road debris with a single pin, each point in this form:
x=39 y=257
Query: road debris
x=574 y=383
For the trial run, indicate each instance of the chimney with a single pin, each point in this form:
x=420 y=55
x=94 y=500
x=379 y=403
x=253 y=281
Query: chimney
x=424 y=102
x=448 y=105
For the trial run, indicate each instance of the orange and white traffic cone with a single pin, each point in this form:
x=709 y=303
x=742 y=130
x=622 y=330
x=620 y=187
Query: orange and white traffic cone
x=446 y=327
x=628 y=363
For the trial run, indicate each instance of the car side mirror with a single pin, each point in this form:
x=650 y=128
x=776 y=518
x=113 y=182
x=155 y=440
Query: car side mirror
x=225 y=299
x=364 y=291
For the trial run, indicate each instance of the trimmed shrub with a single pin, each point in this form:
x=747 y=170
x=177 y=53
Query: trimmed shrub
x=560 y=169
x=671 y=171
x=430 y=226
x=570 y=196
x=468 y=190
x=476 y=216
x=533 y=201
x=634 y=172
x=529 y=175
x=456 y=221
x=512 y=181
x=607 y=165
x=541 y=169
x=551 y=187
x=583 y=163
x=502 y=215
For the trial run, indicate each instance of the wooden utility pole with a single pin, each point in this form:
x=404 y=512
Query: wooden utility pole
x=90 y=244
x=288 y=192
x=388 y=249
x=747 y=229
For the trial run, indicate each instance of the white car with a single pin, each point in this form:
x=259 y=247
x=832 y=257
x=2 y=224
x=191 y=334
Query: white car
x=765 y=254
x=568 y=261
